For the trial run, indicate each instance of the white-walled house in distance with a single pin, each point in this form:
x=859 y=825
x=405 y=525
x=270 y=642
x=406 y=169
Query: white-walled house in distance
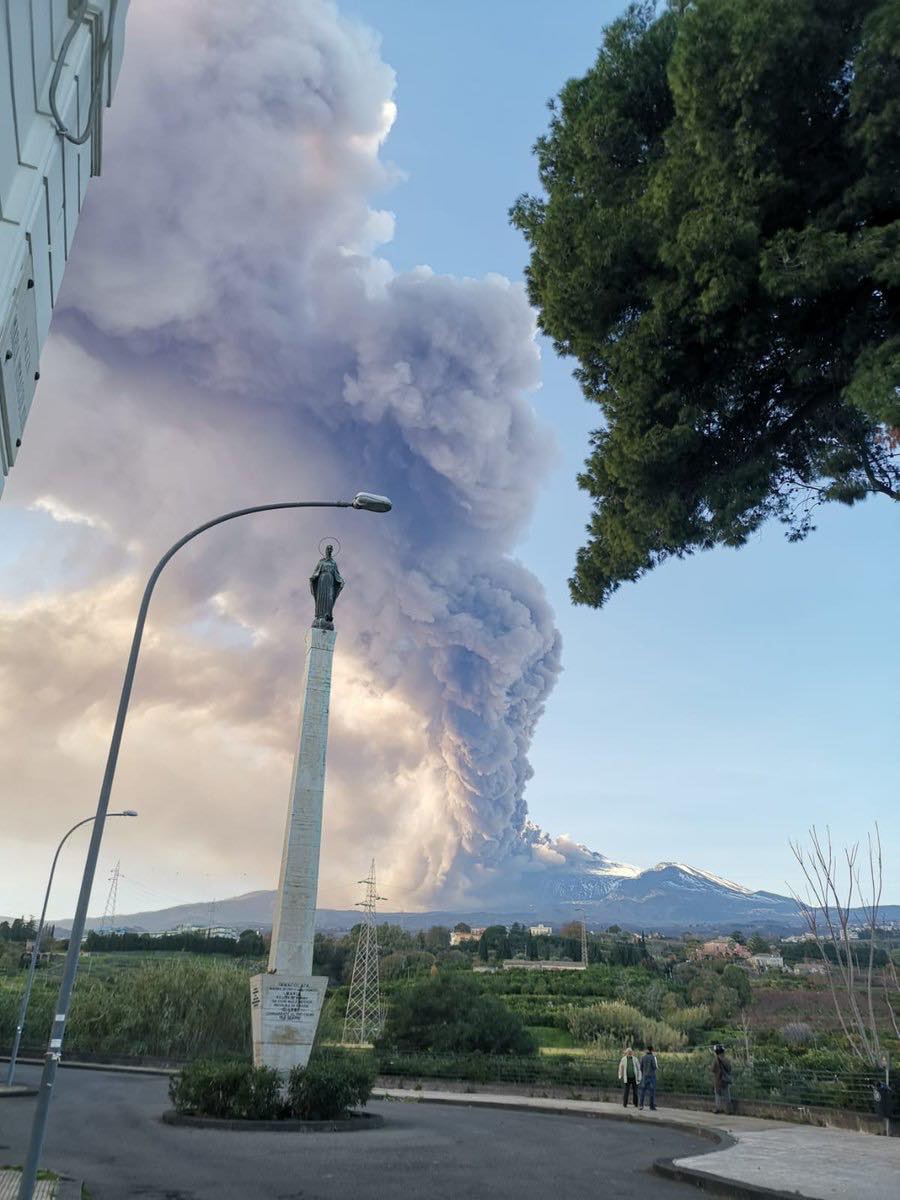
x=458 y=936
x=48 y=61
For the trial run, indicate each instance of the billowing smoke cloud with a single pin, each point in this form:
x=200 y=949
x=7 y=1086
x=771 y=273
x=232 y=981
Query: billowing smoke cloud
x=231 y=336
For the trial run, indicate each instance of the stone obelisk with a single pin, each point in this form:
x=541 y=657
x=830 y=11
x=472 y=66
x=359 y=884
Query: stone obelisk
x=287 y=1000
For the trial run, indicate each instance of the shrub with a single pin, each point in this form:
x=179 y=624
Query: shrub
x=737 y=980
x=797 y=1033
x=695 y=1017
x=405 y=963
x=449 y=1014
x=330 y=1086
x=327 y=1089
x=611 y=1019
x=235 y=1090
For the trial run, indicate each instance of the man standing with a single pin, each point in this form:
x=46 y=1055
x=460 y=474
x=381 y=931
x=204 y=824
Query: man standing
x=648 y=1067
x=721 y=1073
x=630 y=1075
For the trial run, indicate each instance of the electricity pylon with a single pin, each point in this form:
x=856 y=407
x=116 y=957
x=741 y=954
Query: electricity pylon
x=108 y=922
x=364 y=1013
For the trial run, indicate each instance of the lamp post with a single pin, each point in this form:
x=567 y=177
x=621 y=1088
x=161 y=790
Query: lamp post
x=365 y=501
x=36 y=946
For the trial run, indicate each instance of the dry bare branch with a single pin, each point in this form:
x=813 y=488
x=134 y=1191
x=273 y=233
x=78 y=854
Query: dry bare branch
x=827 y=910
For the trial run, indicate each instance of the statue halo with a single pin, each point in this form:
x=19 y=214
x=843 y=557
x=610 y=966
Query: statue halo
x=330 y=541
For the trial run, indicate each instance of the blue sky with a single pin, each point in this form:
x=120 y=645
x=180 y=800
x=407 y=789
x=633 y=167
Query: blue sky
x=713 y=711
x=708 y=714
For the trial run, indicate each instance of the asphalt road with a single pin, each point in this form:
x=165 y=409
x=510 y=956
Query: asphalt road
x=105 y=1129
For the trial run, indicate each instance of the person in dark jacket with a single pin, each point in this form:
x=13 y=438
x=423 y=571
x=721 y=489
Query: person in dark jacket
x=721 y=1074
x=649 y=1067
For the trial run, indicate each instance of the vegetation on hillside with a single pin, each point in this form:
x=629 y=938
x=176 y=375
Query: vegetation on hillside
x=562 y=1028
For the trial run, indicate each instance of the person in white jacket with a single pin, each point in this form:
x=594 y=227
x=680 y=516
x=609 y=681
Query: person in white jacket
x=630 y=1076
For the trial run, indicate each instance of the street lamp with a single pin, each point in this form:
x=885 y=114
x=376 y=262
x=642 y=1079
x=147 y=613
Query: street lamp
x=371 y=503
x=36 y=946
x=366 y=501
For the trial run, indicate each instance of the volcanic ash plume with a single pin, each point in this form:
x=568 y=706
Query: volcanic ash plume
x=230 y=336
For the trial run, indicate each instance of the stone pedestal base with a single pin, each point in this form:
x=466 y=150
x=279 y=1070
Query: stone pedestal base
x=284 y=1016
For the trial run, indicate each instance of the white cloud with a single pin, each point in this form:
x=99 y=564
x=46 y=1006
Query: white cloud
x=67 y=516
x=230 y=337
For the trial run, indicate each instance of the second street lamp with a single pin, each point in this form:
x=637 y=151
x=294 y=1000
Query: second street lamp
x=36 y=946
x=365 y=501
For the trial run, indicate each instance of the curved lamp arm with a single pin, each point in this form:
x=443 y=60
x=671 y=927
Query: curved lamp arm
x=36 y=947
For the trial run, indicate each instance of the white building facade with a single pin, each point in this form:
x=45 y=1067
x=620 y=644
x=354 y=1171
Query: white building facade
x=59 y=55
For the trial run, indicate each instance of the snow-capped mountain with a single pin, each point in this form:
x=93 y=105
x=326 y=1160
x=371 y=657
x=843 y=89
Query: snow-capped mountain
x=671 y=897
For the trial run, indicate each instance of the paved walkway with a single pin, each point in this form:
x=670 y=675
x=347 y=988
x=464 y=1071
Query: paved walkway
x=788 y=1160
x=45 y=1189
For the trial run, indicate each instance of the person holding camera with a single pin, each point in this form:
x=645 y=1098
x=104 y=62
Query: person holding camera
x=722 y=1076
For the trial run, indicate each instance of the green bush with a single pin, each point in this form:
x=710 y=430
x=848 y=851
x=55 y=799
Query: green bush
x=689 y=1020
x=235 y=1090
x=797 y=1033
x=405 y=964
x=614 y=1019
x=331 y=1086
x=327 y=1089
x=449 y=1014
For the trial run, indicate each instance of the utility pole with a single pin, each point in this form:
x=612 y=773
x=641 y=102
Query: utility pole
x=364 y=1017
x=584 y=941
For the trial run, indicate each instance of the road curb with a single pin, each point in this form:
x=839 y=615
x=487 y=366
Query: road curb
x=718 y=1137
x=355 y=1123
x=75 y=1064
x=719 y=1185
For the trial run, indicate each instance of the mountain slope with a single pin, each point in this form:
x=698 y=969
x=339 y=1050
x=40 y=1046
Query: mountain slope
x=670 y=897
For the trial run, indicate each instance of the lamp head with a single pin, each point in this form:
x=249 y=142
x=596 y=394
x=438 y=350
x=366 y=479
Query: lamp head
x=129 y=812
x=371 y=502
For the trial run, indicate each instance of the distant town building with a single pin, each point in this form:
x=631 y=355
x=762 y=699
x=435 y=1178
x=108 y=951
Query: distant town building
x=722 y=948
x=542 y=964
x=458 y=936
x=540 y=930
x=224 y=931
x=767 y=962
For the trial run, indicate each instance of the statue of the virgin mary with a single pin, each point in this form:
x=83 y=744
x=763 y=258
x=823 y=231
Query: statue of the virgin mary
x=326 y=585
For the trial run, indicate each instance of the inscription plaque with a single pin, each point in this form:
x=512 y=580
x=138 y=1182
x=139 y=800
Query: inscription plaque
x=284 y=1016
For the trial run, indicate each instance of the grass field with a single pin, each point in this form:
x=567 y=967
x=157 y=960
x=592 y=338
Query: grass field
x=549 y=1038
